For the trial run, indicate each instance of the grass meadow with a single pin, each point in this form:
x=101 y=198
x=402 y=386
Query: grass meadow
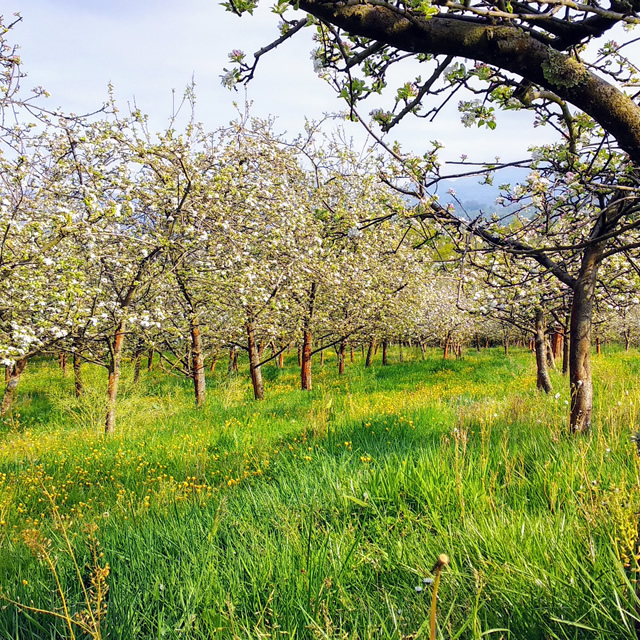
x=321 y=514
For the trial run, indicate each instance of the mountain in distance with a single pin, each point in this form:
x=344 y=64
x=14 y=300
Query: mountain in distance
x=477 y=198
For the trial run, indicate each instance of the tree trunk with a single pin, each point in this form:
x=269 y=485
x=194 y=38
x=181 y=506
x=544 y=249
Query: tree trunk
x=543 y=380
x=550 y=359
x=77 y=374
x=299 y=356
x=62 y=356
x=598 y=346
x=342 y=355
x=15 y=373
x=400 y=352
x=477 y=343
x=281 y=357
x=370 y=350
x=233 y=360
x=305 y=368
x=566 y=335
x=254 y=362
x=150 y=359
x=214 y=360
x=557 y=343
x=197 y=363
x=137 y=360
x=114 y=378
x=321 y=352
x=447 y=345
x=351 y=352
x=385 y=352
x=627 y=341
x=580 y=346
x=506 y=345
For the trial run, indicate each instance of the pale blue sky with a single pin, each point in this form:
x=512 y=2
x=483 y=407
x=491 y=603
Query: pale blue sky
x=146 y=48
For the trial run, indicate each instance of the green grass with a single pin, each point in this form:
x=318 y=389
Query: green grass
x=318 y=515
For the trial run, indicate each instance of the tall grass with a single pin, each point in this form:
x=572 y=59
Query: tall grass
x=320 y=515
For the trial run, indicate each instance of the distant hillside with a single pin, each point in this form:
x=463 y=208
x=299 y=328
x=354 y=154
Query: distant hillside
x=475 y=197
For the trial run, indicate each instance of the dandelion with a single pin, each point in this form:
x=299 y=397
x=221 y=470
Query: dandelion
x=556 y=396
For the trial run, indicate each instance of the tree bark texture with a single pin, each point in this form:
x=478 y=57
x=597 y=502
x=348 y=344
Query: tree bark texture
x=385 y=352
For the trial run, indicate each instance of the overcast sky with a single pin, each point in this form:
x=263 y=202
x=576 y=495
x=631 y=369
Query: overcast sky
x=146 y=48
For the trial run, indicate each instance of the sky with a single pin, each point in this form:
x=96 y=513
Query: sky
x=150 y=50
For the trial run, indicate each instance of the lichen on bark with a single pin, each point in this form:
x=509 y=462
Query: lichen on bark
x=561 y=70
